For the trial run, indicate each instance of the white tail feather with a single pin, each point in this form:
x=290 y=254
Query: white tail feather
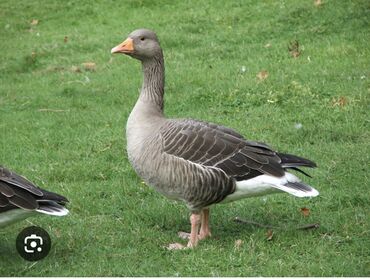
x=298 y=193
x=267 y=184
x=52 y=208
x=62 y=212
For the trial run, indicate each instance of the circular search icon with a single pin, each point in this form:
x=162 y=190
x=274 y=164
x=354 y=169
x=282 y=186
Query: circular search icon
x=33 y=243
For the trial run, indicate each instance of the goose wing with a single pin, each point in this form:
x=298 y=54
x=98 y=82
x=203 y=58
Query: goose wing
x=221 y=147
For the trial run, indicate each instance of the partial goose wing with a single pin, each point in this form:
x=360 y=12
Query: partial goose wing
x=217 y=146
x=18 y=192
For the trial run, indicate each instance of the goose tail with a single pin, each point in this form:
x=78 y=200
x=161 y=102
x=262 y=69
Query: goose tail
x=292 y=185
x=52 y=208
x=293 y=161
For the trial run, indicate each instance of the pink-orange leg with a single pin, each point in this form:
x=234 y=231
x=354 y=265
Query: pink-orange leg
x=195 y=220
x=204 y=228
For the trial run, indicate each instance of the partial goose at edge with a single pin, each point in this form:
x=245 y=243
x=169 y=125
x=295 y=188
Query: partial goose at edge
x=20 y=199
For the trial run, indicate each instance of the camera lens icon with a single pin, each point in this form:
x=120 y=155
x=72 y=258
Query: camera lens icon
x=33 y=243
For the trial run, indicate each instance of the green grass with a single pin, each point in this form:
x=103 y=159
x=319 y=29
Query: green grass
x=118 y=226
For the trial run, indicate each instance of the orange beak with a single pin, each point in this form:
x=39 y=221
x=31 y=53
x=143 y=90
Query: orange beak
x=125 y=47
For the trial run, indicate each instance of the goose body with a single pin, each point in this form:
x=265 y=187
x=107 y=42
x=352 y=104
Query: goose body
x=197 y=162
x=20 y=199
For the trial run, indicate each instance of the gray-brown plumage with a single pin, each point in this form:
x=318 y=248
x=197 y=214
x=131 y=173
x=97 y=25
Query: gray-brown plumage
x=19 y=199
x=194 y=161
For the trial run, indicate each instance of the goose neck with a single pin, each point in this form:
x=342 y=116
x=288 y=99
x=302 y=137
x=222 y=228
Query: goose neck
x=153 y=83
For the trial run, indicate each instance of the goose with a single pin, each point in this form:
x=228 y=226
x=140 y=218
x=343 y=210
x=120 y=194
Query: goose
x=197 y=162
x=20 y=199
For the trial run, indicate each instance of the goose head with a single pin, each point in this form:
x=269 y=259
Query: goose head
x=141 y=44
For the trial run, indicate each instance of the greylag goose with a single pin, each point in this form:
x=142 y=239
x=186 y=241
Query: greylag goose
x=20 y=199
x=193 y=161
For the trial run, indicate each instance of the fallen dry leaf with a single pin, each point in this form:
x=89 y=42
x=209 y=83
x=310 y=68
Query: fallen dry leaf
x=75 y=69
x=34 y=22
x=65 y=39
x=340 y=101
x=294 y=49
x=269 y=235
x=238 y=243
x=262 y=75
x=295 y=54
x=89 y=66
x=54 y=68
x=305 y=211
x=317 y=3
x=57 y=233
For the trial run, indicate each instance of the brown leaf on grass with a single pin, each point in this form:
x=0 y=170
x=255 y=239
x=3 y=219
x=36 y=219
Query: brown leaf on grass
x=340 y=101
x=75 y=69
x=52 y=69
x=34 y=22
x=262 y=75
x=294 y=49
x=317 y=3
x=65 y=39
x=269 y=234
x=89 y=66
x=305 y=211
x=238 y=243
x=295 y=54
x=57 y=233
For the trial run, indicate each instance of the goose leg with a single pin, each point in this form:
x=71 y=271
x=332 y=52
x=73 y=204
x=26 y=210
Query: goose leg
x=195 y=220
x=204 y=228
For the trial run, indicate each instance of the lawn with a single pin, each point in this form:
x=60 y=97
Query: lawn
x=294 y=74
